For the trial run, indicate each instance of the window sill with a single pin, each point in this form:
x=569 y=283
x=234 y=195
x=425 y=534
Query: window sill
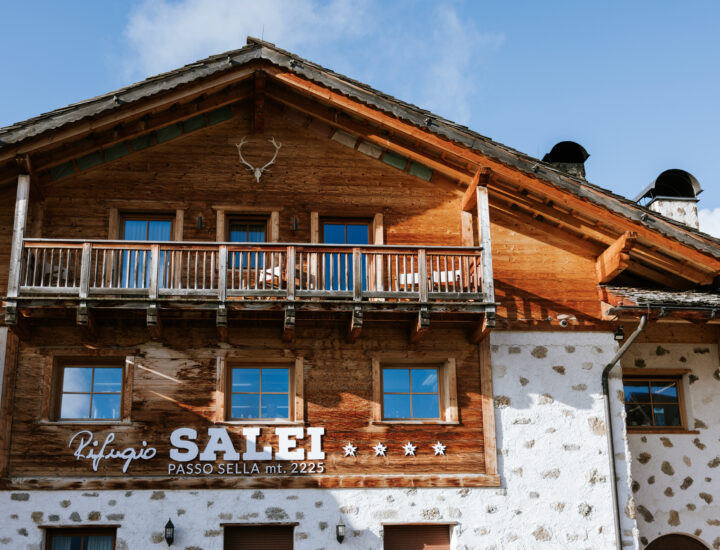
x=88 y=422
x=417 y=422
x=660 y=431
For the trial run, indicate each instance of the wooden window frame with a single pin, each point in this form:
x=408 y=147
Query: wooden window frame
x=447 y=390
x=116 y=216
x=88 y=531
x=225 y=366
x=225 y=211
x=660 y=375
x=52 y=388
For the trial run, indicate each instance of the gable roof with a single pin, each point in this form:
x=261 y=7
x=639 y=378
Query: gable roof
x=11 y=137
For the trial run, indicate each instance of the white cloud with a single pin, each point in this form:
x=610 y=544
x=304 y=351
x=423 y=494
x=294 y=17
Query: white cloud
x=432 y=58
x=710 y=221
x=164 y=35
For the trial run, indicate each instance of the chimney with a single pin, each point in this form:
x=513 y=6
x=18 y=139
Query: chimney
x=569 y=157
x=674 y=195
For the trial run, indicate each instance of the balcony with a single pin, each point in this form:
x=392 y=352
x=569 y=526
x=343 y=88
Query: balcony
x=236 y=276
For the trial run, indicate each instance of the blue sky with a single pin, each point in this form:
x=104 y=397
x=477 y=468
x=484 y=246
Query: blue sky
x=636 y=83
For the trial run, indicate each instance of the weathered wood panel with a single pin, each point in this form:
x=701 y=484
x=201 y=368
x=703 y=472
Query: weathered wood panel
x=174 y=385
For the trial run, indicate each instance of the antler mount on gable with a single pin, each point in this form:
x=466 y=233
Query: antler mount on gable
x=257 y=172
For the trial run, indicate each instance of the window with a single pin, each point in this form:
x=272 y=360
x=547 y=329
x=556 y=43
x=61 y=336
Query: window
x=135 y=268
x=89 y=391
x=415 y=392
x=346 y=232
x=267 y=392
x=410 y=393
x=338 y=272
x=654 y=402
x=411 y=537
x=147 y=228
x=81 y=539
x=250 y=230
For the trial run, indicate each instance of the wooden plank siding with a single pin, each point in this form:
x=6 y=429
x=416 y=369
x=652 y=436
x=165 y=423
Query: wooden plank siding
x=177 y=386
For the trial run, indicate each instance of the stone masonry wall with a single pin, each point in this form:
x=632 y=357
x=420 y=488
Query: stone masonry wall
x=552 y=447
x=676 y=477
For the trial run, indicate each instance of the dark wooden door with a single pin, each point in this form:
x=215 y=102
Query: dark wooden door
x=416 y=537
x=675 y=542
x=261 y=537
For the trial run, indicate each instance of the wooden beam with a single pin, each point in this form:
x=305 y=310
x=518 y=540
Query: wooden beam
x=615 y=259
x=258 y=121
x=469 y=200
x=367 y=133
x=86 y=321
x=483 y=220
x=482 y=331
x=488 y=408
x=289 y=323
x=21 y=210
x=116 y=116
x=421 y=325
x=221 y=322
x=154 y=323
x=356 y=324
x=466 y=226
x=26 y=167
x=7 y=399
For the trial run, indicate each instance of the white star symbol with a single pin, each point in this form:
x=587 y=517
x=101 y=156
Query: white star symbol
x=439 y=448
x=409 y=449
x=349 y=449
x=379 y=449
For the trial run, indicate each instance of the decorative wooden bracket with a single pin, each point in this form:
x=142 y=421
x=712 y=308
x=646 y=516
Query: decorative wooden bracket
x=356 y=324
x=289 y=323
x=221 y=321
x=154 y=323
x=422 y=324
x=481 y=178
x=85 y=319
x=11 y=313
x=483 y=330
x=615 y=259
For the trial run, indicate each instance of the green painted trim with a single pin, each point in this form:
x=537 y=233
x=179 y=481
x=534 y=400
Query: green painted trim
x=62 y=171
x=395 y=160
x=141 y=142
x=88 y=161
x=420 y=170
x=117 y=151
x=169 y=132
x=219 y=115
x=194 y=123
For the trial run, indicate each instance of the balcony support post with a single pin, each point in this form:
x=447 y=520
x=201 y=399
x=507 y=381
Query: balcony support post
x=422 y=324
x=84 y=316
x=483 y=210
x=357 y=274
x=16 y=249
x=221 y=319
x=356 y=324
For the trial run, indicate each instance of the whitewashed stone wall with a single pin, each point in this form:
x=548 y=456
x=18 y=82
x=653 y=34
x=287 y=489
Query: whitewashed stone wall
x=553 y=460
x=676 y=477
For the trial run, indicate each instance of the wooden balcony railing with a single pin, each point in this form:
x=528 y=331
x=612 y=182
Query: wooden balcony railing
x=225 y=271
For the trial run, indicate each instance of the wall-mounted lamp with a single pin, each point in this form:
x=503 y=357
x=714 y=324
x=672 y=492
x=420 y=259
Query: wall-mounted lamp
x=340 y=531
x=294 y=223
x=169 y=532
x=200 y=222
x=619 y=334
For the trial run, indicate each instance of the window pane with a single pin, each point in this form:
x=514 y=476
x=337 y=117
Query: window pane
x=67 y=542
x=426 y=406
x=274 y=406
x=636 y=392
x=75 y=405
x=106 y=405
x=245 y=406
x=357 y=234
x=638 y=415
x=667 y=415
x=275 y=380
x=160 y=230
x=424 y=380
x=238 y=233
x=99 y=542
x=77 y=379
x=108 y=379
x=396 y=406
x=334 y=233
x=256 y=233
x=246 y=380
x=396 y=380
x=135 y=230
x=664 y=392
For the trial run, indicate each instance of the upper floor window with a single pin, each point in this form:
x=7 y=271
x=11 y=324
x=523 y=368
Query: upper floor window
x=260 y=393
x=90 y=392
x=337 y=273
x=252 y=230
x=654 y=402
x=346 y=232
